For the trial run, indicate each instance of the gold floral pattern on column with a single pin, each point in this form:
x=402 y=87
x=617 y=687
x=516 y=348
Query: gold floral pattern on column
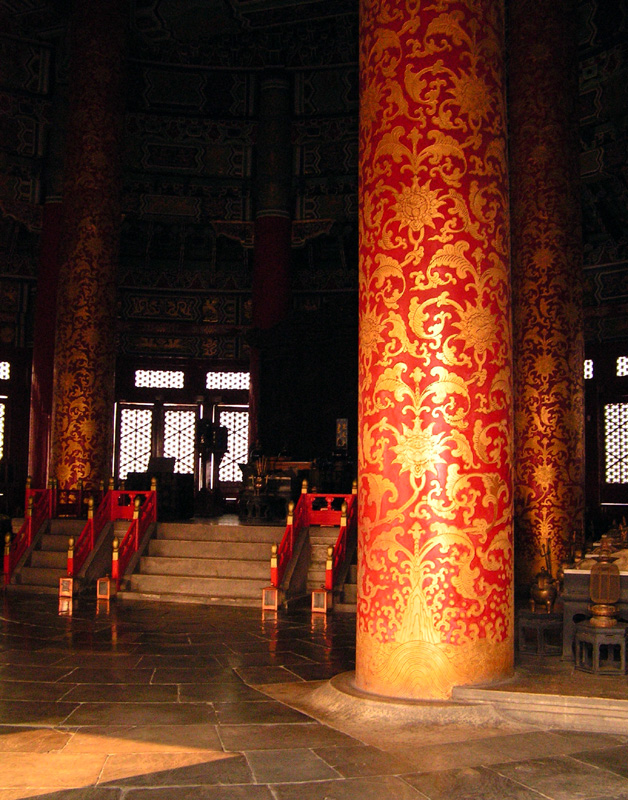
x=547 y=282
x=435 y=553
x=85 y=347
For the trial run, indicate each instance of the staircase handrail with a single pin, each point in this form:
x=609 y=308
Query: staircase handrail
x=300 y=517
x=142 y=515
x=79 y=550
x=39 y=508
x=348 y=530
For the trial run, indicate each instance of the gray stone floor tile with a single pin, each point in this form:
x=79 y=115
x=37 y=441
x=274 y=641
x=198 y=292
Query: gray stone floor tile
x=122 y=693
x=280 y=737
x=210 y=673
x=564 y=778
x=109 y=674
x=378 y=788
x=471 y=783
x=614 y=759
x=288 y=766
x=176 y=769
x=141 y=714
x=358 y=760
x=261 y=675
x=201 y=793
x=30 y=712
x=262 y=711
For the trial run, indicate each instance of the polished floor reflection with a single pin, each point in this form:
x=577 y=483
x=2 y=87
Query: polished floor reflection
x=156 y=701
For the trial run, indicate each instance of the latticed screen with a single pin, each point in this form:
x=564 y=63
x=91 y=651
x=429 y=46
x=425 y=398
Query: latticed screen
x=228 y=380
x=622 y=366
x=5 y=370
x=616 y=442
x=588 y=369
x=237 y=423
x=179 y=438
x=134 y=448
x=3 y=408
x=159 y=379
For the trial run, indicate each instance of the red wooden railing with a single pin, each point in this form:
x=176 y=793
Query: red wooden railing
x=39 y=508
x=142 y=514
x=311 y=509
x=348 y=533
x=114 y=505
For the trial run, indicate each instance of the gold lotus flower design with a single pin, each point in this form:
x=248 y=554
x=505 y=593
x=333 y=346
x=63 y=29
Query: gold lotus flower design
x=477 y=328
x=418 y=206
x=419 y=450
x=472 y=96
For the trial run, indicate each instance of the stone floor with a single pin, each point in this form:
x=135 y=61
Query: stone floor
x=155 y=701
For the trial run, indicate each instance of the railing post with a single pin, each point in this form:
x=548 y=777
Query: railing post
x=29 y=520
x=304 y=486
x=90 y=521
x=115 y=556
x=136 y=524
x=343 y=514
x=71 y=557
x=329 y=569
x=111 y=484
x=273 y=566
x=7 y=558
x=354 y=487
x=29 y=480
x=290 y=522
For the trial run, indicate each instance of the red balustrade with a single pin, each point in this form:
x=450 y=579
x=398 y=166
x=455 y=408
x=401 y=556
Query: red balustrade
x=348 y=533
x=314 y=509
x=142 y=514
x=39 y=508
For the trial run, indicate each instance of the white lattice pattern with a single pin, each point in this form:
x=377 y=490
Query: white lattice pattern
x=3 y=408
x=5 y=370
x=179 y=438
x=228 y=380
x=135 y=440
x=237 y=423
x=616 y=442
x=159 y=379
x=622 y=366
x=588 y=369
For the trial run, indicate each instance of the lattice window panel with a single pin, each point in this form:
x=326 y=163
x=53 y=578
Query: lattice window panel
x=134 y=449
x=3 y=413
x=159 y=379
x=616 y=442
x=588 y=369
x=622 y=366
x=5 y=370
x=228 y=380
x=237 y=423
x=179 y=438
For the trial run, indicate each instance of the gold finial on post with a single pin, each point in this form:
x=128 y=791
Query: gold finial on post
x=29 y=507
x=7 y=543
x=290 y=517
x=101 y=485
x=136 y=508
x=90 y=508
x=354 y=487
x=153 y=484
x=343 y=513
x=304 y=487
x=112 y=485
x=29 y=481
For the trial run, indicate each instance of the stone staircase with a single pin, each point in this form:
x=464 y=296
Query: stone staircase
x=205 y=561
x=320 y=539
x=49 y=560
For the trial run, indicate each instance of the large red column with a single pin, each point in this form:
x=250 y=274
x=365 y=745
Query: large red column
x=547 y=281
x=435 y=605
x=85 y=349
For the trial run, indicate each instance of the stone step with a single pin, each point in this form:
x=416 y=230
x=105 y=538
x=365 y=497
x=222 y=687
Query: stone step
x=205 y=567
x=56 y=542
x=209 y=588
x=40 y=576
x=196 y=599
x=50 y=559
x=208 y=532
x=181 y=548
x=350 y=593
x=66 y=527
